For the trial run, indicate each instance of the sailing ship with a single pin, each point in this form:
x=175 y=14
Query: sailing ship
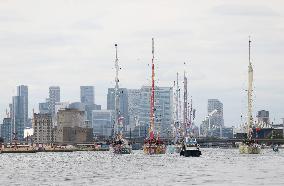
x=189 y=145
x=175 y=146
x=153 y=145
x=119 y=144
x=249 y=145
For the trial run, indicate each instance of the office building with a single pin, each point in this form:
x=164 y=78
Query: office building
x=87 y=95
x=263 y=118
x=134 y=98
x=103 y=122
x=89 y=111
x=6 y=130
x=22 y=91
x=42 y=128
x=54 y=97
x=123 y=103
x=72 y=128
x=163 y=109
x=216 y=120
x=44 y=107
x=77 y=105
x=18 y=117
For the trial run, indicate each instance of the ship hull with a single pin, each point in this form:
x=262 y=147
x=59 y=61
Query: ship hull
x=154 y=149
x=249 y=149
x=190 y=153
x=121 y=149
x=20 y=150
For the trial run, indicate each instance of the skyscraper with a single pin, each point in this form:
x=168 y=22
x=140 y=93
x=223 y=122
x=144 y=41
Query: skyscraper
x=163 y=108
x=22 y=91
x=18 y=117
x=54 y=97
x=103 y=121
x=134 y=98
x=123 y=103
x=87 y=95
x=6 y=130
x=216 y=120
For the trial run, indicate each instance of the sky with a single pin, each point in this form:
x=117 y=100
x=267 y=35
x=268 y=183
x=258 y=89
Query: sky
x=70 y=43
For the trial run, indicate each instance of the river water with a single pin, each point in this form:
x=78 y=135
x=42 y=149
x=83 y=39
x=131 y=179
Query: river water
x=214 y=167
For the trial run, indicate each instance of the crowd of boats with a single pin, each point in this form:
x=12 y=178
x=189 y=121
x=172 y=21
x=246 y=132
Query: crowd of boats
x=183 y=139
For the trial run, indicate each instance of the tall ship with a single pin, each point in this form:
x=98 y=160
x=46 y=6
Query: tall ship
x=153 y=144
x=189 y=145
x=119 y=144
x=175 y=145
x=249 y=145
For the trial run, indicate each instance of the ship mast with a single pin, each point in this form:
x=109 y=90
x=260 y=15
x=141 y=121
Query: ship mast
x=177 y=121
x=190 y=115
x=250 y=81
x=152 y=106
x=118 y=126
x=185 y=110
x=177 y=100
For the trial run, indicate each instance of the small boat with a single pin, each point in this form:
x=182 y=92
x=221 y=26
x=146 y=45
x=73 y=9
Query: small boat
x=249 y=147
x=121 y=146
x=190 y=147
x=275 y=148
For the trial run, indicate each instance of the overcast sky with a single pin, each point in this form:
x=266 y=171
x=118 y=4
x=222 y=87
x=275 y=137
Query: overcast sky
x=71 y=43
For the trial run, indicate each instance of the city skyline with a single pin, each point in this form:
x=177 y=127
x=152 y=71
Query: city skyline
x=39 y=50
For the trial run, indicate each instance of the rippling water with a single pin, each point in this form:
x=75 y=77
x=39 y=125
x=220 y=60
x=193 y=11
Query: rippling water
x=214 y=167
